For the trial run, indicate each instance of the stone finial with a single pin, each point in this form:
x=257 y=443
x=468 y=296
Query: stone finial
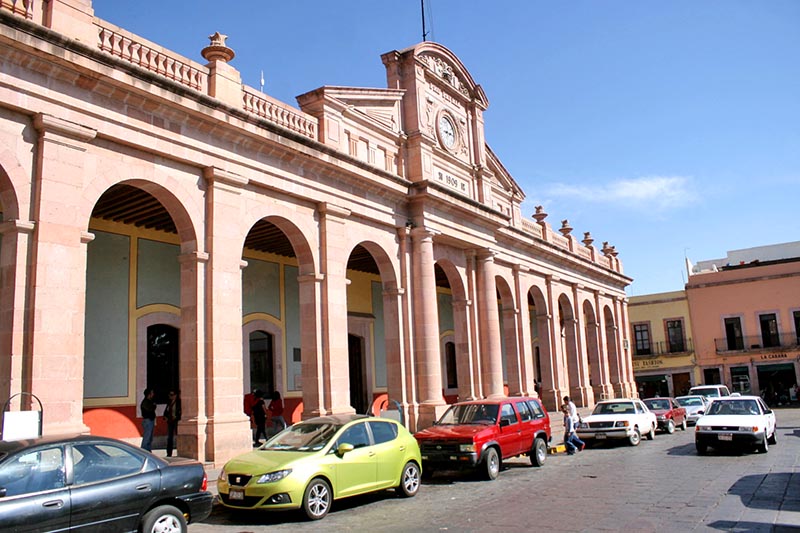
x=609 y=250
x=606 y=247
x=217 y=51
x=587 y=238
x=565 y=229
x=540 y=215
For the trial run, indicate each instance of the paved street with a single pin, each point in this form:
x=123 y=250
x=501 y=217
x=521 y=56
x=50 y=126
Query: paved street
x=661 y=485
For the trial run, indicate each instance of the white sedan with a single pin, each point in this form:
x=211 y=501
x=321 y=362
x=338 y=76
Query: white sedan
x=695 y=406
x=743 y=421
x=618 y=419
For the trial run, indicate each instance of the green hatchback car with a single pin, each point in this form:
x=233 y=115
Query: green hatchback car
x=312 y=463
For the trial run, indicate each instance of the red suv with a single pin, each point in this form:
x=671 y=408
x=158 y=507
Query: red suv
x=480 y=434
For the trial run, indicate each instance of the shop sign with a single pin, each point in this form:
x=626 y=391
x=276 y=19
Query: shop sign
x=768 y=356
x=647 y=363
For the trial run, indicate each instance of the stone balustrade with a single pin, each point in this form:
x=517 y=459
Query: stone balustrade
x=279 y=113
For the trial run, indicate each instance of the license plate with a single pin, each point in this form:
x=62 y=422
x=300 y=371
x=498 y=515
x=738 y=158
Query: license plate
x=599 y=435
x=236 y=494
x=725 y=436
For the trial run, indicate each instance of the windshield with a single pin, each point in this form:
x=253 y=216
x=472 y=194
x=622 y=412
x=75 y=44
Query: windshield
x=304 y=437
x=708 y=393
x=733 y=407
x=657 y=404
x=614 y=408
x=689 y=402
x=477 y=413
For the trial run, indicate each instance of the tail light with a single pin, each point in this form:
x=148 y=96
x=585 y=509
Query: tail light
x=204 y=484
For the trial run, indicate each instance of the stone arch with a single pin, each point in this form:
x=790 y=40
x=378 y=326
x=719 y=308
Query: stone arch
x=468 y=375
x=615 y=369
x=595 y=379
x=544 y=364
x=569 y=348
x=509 y=334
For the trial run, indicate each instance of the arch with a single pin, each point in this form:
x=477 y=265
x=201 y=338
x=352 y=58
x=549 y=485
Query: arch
x=11 y=172
x=595 y=378
x=571 y=357
x=467 y=373
x=544 y=364
x=459 y=71
x=614 y=364
x=273 y=329
x=509 y=334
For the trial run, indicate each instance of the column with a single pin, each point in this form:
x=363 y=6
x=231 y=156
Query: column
x=311 y=350
x=527 y=382
x=489 y=315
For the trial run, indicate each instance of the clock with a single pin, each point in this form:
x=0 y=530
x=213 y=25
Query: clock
x=447 y=131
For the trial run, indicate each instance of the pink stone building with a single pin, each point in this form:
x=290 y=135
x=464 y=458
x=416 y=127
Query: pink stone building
x=165 y=225
x=745 y=311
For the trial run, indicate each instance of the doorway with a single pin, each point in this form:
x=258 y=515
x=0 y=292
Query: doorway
x=262 y=361
x=358 y=375
x=163 y=360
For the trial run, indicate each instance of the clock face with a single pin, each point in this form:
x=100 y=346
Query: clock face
x=447 y=131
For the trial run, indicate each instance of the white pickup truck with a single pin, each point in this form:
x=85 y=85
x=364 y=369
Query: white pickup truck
x=618 y=419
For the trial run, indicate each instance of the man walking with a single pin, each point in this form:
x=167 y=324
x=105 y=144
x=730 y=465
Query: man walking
x=148 y=408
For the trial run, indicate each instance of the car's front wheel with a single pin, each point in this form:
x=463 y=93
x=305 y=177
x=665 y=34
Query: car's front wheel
x=772 y=438
x=163 y=519
x=670 y=427
x=652 y=433
x=491 y=464
x=683 y=425
x=763 y=446
x=539 y=452
x=409 y=480
x=317 y=499
x=635 y=438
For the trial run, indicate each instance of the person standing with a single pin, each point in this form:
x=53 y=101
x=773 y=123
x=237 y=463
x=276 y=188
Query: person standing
x=172 y=414
x=259 y=417
x=148 y=409
x=278 y=423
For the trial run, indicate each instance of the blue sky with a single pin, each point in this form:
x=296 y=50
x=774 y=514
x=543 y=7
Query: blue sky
x=666 y=128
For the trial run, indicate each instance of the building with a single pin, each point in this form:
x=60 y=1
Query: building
x=166 y=226
x=664 y=362
x=745 y=313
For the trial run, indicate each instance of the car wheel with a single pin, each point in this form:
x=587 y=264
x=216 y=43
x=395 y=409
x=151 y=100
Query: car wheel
x=652 y=433
x=772 y=438
x=683 y=425
x=491 y=464
x=163 y=519
x=763 y=447
x=701 y=448
x=636 y=438
x=317 y=499
x=409 y=480
x=670 y=427
x=539 y=452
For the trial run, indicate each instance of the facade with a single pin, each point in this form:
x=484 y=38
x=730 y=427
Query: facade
x=166 y=226
x=745 y=313
x=664 y=361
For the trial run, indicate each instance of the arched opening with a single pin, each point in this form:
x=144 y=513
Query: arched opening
x=541 y=342
x=614 y=365
x=569 y=349
x=509 y=336
x=261 y=346
x=163 y=358
x=459 y=382
x=595 y=378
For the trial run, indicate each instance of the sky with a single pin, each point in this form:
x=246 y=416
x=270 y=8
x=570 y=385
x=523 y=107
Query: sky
x=670 y=129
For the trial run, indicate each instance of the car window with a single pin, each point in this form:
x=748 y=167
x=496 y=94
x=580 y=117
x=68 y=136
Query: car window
x=689 y=402
x=507 y=413
x=383 y=431
x=611 y=408
x=524 y=411
x=99 y=462
x=32 y=472
x=471 y=413
x=536 y=408
x=355 y=435
x=303 y=437
x=734 y=407
x=657 y=404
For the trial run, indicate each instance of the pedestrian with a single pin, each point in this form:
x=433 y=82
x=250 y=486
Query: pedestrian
x=278 y=423
x=148 y=409
x=573 y=410
x=172 y=414
x=259 y=417
x=571 y=440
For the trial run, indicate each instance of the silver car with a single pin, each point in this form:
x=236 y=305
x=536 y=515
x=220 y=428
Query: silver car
x=695 y=406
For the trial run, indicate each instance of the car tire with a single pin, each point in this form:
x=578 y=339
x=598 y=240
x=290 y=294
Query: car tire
x=491 y=465
x=409 y=480
x=652 y=433
x=164 y=518
x=317 y=499
x=702 y=449
x=635 y=439
x=683 y=425
x=670 y=427
x=773 y=439
x=539 y=452
x=763 y=447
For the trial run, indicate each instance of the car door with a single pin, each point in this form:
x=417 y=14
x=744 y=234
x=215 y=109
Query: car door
x=769 y=414
x=356 y=470
x=389 y=452
x=510 y=430
x=33 y=491
x=111 y=487
x=528 y=425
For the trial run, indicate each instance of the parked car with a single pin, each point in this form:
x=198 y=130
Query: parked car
x=313 y=463
x=710 y=391
x=668 y=414
x=695 y=406
x=618 y=419
x=89 y=483
x=482 y=434
x=742 y=421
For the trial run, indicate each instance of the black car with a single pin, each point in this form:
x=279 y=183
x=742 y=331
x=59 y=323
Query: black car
x=98 y=484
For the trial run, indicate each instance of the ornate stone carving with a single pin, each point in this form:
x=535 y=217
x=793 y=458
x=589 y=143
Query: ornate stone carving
x=445 y=72
x=217 y=51
x=540 y=214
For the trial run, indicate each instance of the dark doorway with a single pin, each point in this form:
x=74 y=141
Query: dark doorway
x=162 y=360
x=681 y=383
x=711 y=376
x=775 y=382
x=358 y=377
x=262 y=369
x=450 y=365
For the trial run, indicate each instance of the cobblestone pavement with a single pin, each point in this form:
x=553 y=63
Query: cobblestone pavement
x=661 y=485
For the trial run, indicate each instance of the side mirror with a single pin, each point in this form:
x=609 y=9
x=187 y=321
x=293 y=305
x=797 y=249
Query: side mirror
x=504 y=422
x=344 y=448
x=3 y=492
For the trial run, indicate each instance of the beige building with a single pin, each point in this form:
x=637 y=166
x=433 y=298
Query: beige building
x=664 y=361
x=164 y=225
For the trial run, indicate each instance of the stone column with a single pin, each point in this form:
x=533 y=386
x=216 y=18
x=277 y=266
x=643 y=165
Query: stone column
x=524 y=337
x=311 y=350
x=489 y=316
x=228 y=428
x=406 y=324
x=14 y=272
x=467 y=386
x=336 y=359
x=57 y=285
x=558 y=368
x=426 y=327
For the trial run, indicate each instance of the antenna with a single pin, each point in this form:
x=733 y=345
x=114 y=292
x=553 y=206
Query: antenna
x=424 y=33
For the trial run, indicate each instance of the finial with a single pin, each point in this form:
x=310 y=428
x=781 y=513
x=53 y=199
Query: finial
x=540 y=215
x=217 y=50
x=565 y=229
x=587 y=238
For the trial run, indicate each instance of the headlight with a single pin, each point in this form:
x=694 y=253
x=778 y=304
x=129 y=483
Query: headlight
x=583 y=425
x=622 y=424
x=662 y=417
x=752 y=429
x=223 y=476
x=704 y=428
x=274 y=476
x=467 y=448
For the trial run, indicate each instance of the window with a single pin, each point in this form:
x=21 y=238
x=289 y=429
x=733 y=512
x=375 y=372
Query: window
x=383 y=431
x=769 y=330
x=355 y=435
x=507 y=414
x=536 y=409
x=797 y=326
x=162 y=360
x=450 y=365
x=675 y=336
x=33 y=472
x=99 y=462
x=733 y=333
x=524 y=411
x=641 y=333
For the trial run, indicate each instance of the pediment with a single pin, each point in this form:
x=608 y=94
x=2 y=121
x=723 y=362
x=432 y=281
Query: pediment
x=501 y=175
